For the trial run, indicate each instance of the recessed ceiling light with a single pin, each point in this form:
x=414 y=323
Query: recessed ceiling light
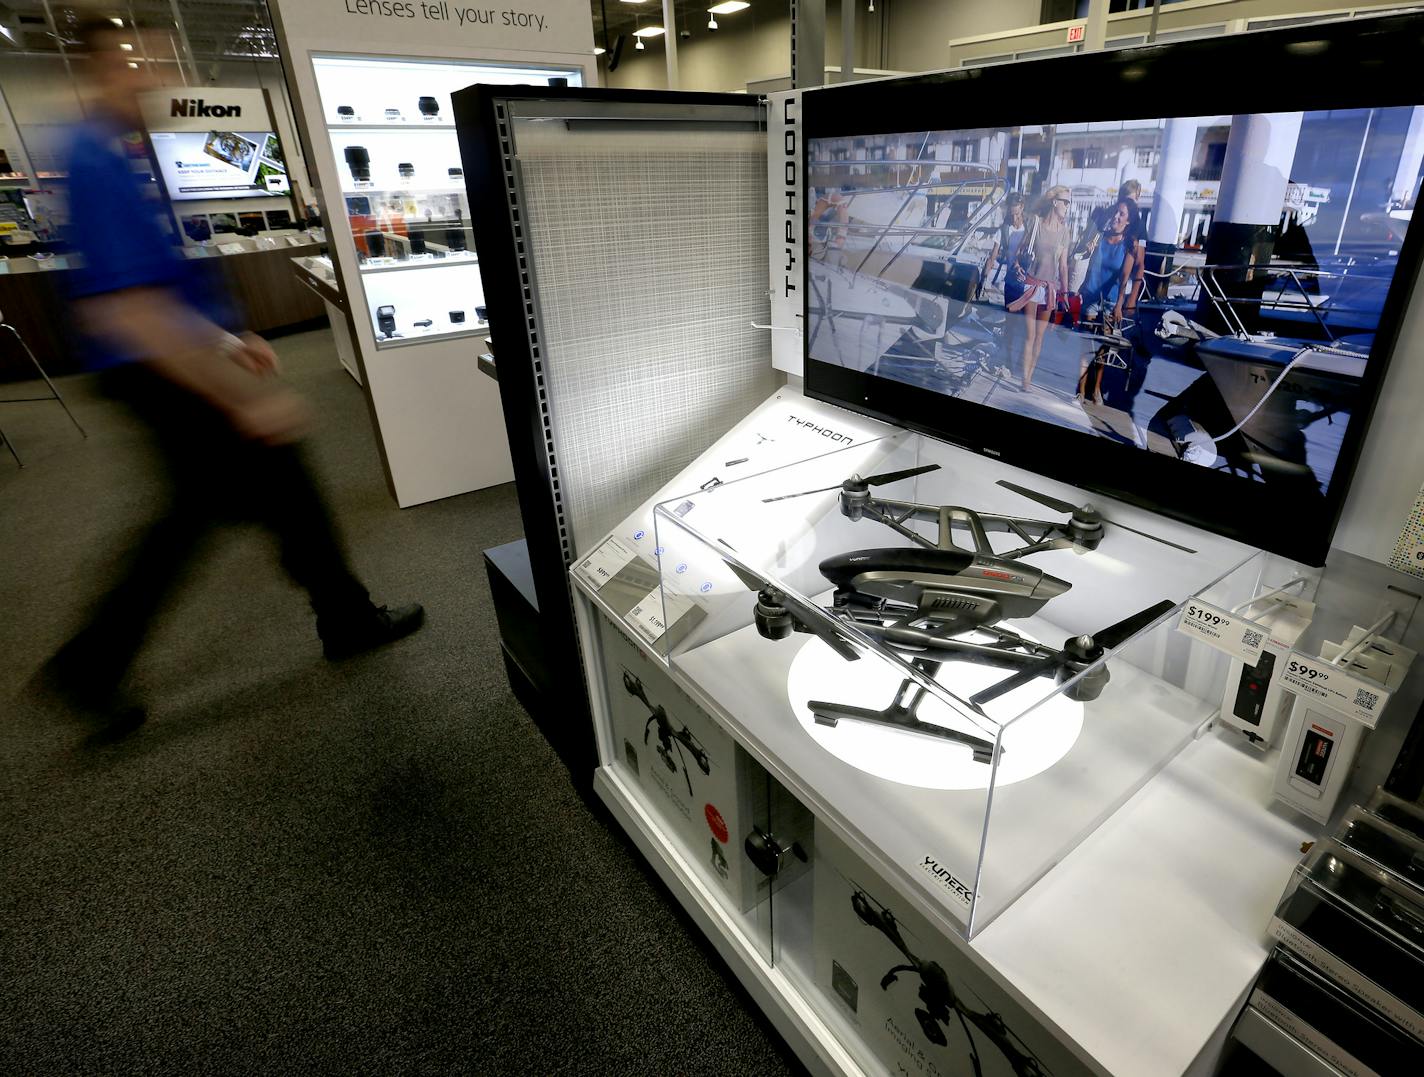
x=649 y=31
x=729 y=6
x=599 y=50
x=125 y=46
x=116 y=20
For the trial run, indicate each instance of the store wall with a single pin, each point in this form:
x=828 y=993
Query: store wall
x=742 y=51
x=45 y=102
x=918 y=32
x=900 y=35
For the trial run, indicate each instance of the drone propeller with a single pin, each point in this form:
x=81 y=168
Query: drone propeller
x=1079 y=649
x=856 y=484
x=1085 y=516
x=775 y=604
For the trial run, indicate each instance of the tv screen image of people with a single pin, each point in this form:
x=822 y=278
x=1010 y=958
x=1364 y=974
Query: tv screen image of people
x=1206 y=288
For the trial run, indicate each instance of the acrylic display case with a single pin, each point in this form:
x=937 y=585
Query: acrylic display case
x=392 y=136
x=974 y=801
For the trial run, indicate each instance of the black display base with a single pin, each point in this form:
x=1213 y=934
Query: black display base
x=534 y=674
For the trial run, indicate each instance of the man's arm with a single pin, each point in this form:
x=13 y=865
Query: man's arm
x=178 y=343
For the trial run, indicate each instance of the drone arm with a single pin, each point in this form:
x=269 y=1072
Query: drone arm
x=1062 y=542
x=890 y=977
x=699 y=754
x=950 y=517
x=875 y=510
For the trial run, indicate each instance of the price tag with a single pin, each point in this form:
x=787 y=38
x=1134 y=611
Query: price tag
x=647 y=616
x=232 y=248
x=1316 y=679
x=604 y=563
x=1228 y=633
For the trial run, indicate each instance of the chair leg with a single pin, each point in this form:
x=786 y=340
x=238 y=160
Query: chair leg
x=11 y=446
x=52 y=389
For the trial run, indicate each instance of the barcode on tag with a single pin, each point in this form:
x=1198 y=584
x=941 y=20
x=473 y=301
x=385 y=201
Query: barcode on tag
x=1252 y=639
x=1368 y=700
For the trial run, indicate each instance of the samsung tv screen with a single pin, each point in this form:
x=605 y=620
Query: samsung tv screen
x=1186 y=307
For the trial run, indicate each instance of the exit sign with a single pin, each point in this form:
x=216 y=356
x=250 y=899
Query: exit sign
x=1075 y=33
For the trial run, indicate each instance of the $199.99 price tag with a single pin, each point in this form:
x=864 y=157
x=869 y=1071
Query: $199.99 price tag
x=1225 y=631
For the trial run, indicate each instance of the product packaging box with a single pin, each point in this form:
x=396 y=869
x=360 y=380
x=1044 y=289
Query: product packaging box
x=1322 y=744
x=1337 y=1027
x=1360 y=927
x=1255 y=704
x=915 y=998
x=706 y=789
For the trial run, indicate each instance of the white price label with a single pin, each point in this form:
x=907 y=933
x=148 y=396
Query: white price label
x=647 y=617
x=1316 y=679
x=604 y=563
x=1228 y=633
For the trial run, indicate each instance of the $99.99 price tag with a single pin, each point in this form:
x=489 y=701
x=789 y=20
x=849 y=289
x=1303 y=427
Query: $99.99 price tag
x=1316 y=679
x=1225 y=631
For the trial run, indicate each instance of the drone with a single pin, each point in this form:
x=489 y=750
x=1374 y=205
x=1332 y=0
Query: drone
x=669 y=739
x=937 y=601
x=938 y=999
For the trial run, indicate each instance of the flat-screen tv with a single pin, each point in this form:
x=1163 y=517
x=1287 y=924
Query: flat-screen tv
x=1172 y=274
x=220 y=164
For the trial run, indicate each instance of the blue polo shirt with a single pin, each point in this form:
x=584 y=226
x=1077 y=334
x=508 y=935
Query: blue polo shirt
x=114 y=228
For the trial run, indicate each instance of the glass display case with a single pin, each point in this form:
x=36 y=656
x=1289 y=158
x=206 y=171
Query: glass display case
x=945 y=668
x=392 y=136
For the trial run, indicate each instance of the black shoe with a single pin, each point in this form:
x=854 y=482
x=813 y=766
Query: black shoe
x=67 y=686
x=366 y=631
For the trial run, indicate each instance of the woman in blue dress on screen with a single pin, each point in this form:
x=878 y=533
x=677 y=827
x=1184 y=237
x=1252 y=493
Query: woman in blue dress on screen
x=1109 y=281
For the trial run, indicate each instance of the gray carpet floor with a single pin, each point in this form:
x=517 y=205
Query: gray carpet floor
x=376 y=867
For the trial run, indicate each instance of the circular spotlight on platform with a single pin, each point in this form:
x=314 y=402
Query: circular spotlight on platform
x=1030 y=745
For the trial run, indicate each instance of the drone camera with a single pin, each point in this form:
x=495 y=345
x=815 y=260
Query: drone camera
x=773 y=620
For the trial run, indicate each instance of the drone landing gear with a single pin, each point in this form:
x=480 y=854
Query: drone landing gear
x=900 y=714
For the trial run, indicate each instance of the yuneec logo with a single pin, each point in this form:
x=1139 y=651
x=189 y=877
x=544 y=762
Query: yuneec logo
x=946 y=879
x=187 y=106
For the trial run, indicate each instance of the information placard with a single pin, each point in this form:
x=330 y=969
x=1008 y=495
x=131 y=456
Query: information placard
x=1316 y=679
x=1228 y=633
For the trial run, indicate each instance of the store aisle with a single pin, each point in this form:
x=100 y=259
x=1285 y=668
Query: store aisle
x=377 y=867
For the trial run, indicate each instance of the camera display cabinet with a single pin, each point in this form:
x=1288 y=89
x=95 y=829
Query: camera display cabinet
x=372 y=91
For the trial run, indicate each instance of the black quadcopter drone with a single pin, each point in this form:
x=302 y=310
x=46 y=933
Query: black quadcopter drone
x=938 y=999
x=927 y=601
x=669 y=739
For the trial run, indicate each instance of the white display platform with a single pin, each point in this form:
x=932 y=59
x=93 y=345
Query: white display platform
x=1142 y=944
x=1135 y=942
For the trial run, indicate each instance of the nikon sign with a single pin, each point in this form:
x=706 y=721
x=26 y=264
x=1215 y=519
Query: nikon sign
x=216 y=109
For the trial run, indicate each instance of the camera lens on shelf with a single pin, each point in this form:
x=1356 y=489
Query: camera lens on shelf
x=359 y=161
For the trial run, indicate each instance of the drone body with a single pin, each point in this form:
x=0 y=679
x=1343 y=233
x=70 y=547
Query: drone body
x=935 y=601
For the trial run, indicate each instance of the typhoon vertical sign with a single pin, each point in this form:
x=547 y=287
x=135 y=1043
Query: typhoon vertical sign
x=787 y=228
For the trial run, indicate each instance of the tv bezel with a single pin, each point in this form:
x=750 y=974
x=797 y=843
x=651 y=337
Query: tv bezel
x=1383 y=52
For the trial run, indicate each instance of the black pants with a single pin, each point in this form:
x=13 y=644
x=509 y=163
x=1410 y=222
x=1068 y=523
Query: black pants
x=213 y=476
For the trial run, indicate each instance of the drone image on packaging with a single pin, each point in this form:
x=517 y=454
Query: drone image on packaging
x=669 y=739
x=939 y=1000
x=936 y=601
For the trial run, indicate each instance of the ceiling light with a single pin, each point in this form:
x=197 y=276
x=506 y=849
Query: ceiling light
x=133 y=64
x=649 y=31
x=639 y=44
x=635 y=1
x=711 y=21
x=599 y=50
x=729 y=6
x=116 y=20
x=125 y=46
